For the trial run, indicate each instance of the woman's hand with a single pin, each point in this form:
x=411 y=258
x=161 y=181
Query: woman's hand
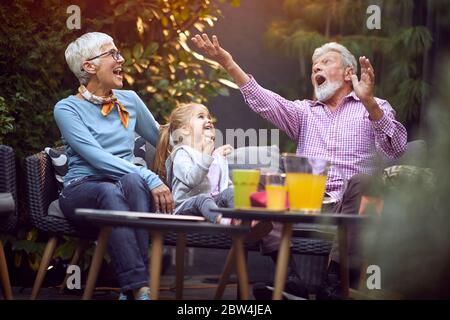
x=163 y=199
x=223 y=150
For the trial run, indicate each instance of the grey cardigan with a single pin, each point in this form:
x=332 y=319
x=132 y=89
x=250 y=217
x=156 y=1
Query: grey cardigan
x=187 y=173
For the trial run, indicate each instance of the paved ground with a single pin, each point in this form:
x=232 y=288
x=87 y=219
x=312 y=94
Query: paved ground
x=196 y=288
x=203 y=267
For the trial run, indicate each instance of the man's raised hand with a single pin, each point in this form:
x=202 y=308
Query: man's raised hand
x=364 y=87
x=212 y=49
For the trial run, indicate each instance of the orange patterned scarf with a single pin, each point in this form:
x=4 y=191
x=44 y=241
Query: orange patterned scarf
x=108 y=103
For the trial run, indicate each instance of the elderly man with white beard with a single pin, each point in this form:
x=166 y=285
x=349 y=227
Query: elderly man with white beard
x=346 y=125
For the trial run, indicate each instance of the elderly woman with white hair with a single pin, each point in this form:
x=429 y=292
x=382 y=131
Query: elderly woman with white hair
x=346 y=124
x=98 y=126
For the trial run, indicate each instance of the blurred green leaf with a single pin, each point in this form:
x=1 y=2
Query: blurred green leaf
x=223 y=91
x=151 y=49
x=122 y=8
x=163 y=84
x=65 y=250
x=138 y=50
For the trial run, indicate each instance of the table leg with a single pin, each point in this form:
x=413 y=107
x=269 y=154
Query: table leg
x=343 y=259
x=96 y=262
x=225 y=273
x=241 y=266
x=155 y=268
x=238 y=291
x=282 y=261
x=362 y=275
x=181 y=247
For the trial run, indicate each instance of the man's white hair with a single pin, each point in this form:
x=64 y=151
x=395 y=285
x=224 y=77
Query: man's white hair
x=85 y=47
x=348 y=59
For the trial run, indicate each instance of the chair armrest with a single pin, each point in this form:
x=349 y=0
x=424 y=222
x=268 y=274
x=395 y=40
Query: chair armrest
x=7 y=204
x=8 y=185
x=41 y=187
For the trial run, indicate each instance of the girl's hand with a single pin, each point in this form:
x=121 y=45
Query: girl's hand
x=208 y=145
x=223 y=150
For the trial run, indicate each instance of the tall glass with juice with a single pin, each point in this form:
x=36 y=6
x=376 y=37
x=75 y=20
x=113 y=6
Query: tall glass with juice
x=276 y=191
x=305 y=180
x=305 y=191
x=245 y=182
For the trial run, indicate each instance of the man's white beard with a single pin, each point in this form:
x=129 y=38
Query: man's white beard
x=327 y=90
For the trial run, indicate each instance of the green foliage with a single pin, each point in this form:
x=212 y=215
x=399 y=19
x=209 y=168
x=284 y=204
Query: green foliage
x=32 y=67
x=28 y=249
x=6 y=121
x=153 y=36
x=397 y=50
x=159 y=64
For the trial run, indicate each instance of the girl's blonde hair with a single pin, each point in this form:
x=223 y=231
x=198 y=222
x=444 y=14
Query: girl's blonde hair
x=179 y=117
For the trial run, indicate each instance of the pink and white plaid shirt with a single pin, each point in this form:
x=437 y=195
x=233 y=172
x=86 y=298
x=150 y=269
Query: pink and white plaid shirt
x=345 y=137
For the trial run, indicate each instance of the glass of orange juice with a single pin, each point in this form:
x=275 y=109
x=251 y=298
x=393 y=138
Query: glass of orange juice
x=276 y=191
x=305 y=180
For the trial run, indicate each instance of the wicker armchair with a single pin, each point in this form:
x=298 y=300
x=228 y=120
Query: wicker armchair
x=41 y=190
x=8 y=222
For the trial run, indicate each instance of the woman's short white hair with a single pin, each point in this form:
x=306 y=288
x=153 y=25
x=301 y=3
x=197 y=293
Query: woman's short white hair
x=348 y=59
x=85 y=47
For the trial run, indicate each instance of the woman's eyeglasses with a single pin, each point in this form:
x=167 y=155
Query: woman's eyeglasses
x=113 y=52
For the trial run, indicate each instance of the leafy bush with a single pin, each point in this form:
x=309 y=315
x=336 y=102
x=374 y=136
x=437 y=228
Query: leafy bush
x=153 y=36
x=6 y=121
x=32 y=67
x=160 y=66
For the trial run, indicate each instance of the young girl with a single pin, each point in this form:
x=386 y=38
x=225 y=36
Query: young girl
x=196 y=172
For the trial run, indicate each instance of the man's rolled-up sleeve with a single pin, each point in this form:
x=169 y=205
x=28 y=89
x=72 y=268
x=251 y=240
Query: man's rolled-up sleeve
x=390 y=135
x=285 y=114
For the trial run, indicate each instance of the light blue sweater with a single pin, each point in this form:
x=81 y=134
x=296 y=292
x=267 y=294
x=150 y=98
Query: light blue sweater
x=98 y=145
